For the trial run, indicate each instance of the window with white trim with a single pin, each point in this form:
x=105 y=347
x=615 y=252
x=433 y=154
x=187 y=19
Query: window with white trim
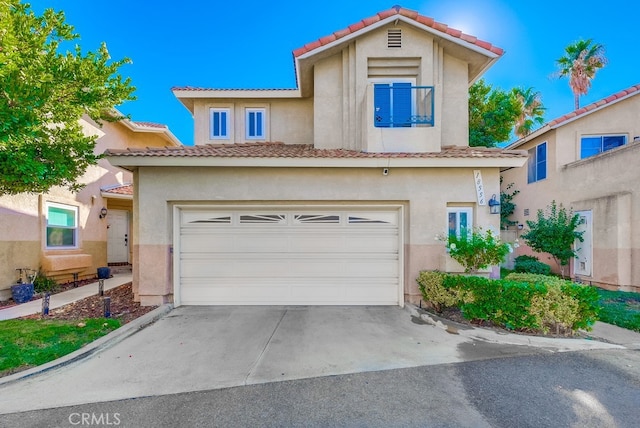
x=219 y=123
x=537 y=166
x=595 y=144
x=255 y=123
x=459 y=220
x=62 y=226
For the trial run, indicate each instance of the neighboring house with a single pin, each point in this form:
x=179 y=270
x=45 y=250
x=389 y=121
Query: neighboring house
x=587 y=161
x=65 y=233
x=330 y=193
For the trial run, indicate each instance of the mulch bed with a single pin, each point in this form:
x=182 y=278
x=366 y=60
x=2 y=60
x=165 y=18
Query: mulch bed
x=122 y=307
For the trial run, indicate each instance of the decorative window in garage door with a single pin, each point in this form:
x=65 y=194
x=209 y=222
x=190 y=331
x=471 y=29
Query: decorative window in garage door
x=373 y=218
x=316 y=218
x=199 y=218
x=263 y=218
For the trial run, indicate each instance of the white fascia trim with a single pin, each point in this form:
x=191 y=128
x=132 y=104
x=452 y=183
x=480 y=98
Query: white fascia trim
x=318 y=163
x=115 y=196
x=138 y=128
x=538 y=132
x=237 y=93
x=409 y=21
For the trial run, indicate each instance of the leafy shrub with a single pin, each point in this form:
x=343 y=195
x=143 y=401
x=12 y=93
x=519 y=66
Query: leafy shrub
x=521 y=301
x=44 y=284
x=499 y=301
x=475 y=249
x=531 y=264
x=433 y=290
x=569 y=305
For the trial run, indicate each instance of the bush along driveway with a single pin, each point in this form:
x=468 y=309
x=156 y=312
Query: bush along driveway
x=527 y=303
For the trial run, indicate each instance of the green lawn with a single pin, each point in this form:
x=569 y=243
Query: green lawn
x=620 y=308
x=31 y=342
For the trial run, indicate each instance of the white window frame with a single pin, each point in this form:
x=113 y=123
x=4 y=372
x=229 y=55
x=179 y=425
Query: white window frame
x=457 y=211
x=75 y=210
x=263 y=120
x=227 y=112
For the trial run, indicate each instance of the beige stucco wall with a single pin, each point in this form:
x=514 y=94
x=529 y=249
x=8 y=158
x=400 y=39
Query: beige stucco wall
x=606 y=184
x=288 y=120
x=425 y=194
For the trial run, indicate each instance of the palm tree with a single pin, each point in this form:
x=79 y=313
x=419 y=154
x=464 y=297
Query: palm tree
x=531 y=111
x=581 y=61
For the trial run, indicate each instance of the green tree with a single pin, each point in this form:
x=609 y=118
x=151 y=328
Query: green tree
x=554 y=233
x=492 y=114
x=581 y=61
x=43 y=94
x=531 y=111
x=507 y=207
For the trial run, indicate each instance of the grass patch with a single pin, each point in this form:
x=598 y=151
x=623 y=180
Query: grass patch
x=28 y=343
x=620 y=308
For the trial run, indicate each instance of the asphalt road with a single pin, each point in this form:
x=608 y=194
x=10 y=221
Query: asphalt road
x=598 y=388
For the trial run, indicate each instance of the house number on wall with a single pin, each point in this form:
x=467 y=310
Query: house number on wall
x=477 y=177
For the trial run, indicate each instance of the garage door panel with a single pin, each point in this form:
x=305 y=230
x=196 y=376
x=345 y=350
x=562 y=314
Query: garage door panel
x=239 y=292
x=281 y=242
x=256 y=267
x=285 y=256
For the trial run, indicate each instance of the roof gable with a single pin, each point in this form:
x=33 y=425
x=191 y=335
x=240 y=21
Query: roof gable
x=580 y=113
x=406 y=15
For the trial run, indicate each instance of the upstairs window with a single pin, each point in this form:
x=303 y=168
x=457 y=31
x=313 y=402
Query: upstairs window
x=392 y=104
x=402 y=105
x=255 y=121
x=593 y=145
x=537 y=167
x=220 y=123
x=62 y=226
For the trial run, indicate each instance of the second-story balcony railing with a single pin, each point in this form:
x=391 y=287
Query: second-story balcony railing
x=401 y=105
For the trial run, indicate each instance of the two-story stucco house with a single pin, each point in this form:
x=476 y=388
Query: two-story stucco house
x=330 y=193
x=586 y=161
x=64 y=233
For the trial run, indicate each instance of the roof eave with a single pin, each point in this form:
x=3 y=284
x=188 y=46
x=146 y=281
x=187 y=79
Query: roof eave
x=133 y=162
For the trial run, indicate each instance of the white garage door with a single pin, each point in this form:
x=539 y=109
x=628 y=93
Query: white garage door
x=289 y=256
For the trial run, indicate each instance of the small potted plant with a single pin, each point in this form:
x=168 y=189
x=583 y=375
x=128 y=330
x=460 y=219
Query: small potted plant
x=23 y=290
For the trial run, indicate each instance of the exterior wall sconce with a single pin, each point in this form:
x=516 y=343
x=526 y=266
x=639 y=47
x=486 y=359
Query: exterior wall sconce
x=103 y=212
x=494 y=205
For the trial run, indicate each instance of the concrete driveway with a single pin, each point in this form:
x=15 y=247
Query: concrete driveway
x=202 y=348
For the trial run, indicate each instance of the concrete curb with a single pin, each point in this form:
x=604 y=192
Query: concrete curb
x=551 y=344
x=94 y=347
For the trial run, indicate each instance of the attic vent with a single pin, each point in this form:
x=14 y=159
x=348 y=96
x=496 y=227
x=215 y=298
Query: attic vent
x=394 y=38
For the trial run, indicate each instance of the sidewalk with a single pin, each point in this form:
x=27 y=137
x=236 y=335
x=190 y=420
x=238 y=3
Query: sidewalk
x=64 y=298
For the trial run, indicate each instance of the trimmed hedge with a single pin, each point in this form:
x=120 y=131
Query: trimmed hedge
x=526 y=302
x=531 y=264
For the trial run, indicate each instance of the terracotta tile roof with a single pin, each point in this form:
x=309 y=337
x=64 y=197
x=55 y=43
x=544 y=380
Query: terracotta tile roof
x=586 y=109
x=397 y=10
x=281 y=150
x=125 y=189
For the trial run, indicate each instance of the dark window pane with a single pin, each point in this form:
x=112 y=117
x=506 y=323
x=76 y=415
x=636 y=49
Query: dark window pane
x=382 y=105
x=611 y=142
x=401 y=109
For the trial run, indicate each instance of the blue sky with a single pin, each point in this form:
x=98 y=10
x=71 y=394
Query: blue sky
x=249 y=44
